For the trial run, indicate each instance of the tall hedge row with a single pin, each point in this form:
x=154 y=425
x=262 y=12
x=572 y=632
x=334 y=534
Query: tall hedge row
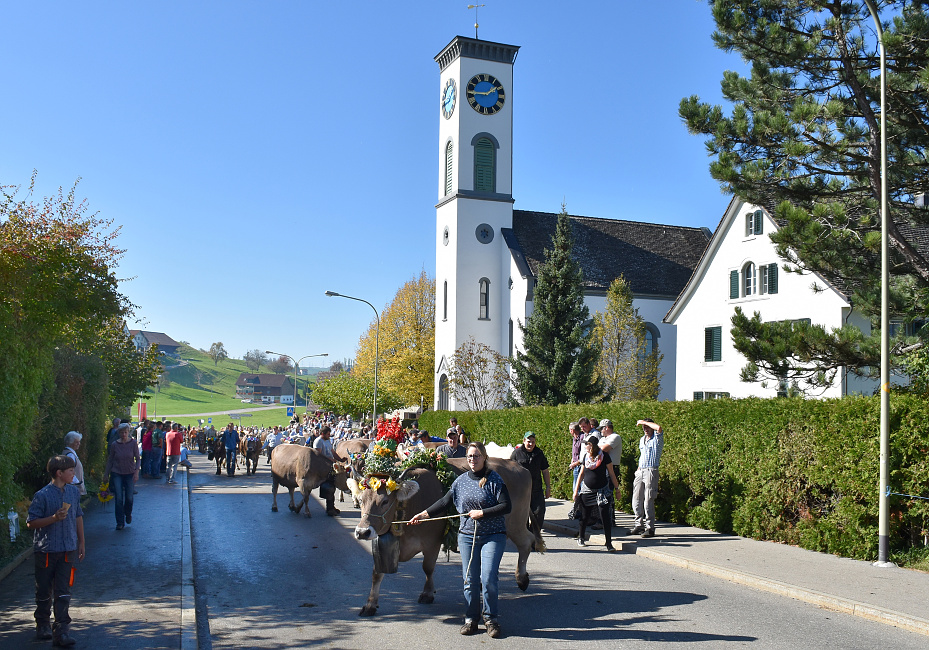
x=798 y=471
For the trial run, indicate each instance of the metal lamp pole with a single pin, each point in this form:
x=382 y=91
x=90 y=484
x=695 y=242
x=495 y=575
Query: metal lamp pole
x=883 y=507
x=296 y=365
x=377 y=342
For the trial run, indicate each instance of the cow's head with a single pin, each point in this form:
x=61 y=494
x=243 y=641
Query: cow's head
x=379 y=500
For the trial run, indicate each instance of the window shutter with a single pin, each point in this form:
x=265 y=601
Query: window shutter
x=758 y=215
x=484 y=166
x=449 y=162
x=712 y=346
x=772 y=278
x=733 y=285
x=698 y=395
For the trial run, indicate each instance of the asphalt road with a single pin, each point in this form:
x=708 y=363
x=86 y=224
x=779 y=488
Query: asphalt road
x=279 y=580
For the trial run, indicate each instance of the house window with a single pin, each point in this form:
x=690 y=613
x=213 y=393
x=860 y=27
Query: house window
x=449 y=167
x=754 y=223
x=484 y=312
x=445 y=300
x=484 y=166
x=767 y=280
x=651 y=344
x=749 y=280
x=700 y=395
x=713 y=343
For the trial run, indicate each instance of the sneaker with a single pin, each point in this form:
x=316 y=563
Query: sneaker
x=581 y=542
x=493 y=628
x=610 y=548
x=638 y=530
x=119 y=526
x=469 y=627
x=64 y=641
x=43 y=631
x=649 y=533
x=128 y=519
x=333 y=512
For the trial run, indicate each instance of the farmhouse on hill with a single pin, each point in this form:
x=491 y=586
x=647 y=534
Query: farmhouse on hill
x=144 y=340
x=266 y=388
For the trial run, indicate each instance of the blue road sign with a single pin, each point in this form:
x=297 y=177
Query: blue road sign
x=290 y=411
x=209 y=420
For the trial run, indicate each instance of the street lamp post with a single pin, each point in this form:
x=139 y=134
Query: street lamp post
x=883 y=509
x=377 y=342
x=296 y=365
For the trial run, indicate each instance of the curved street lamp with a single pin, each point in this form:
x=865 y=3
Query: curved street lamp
x=377 y=342
x=296 y=365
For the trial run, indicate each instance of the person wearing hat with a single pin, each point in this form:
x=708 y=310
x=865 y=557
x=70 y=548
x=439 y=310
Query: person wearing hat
x=530 y=456
x=452 y=449
x=645 y=483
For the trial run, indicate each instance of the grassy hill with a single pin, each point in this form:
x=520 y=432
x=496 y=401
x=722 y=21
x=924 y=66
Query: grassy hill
x=200 y=386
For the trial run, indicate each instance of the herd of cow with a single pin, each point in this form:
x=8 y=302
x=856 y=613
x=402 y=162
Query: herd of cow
x=297 y=467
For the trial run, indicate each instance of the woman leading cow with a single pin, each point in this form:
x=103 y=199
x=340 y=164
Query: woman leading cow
x=482 y=497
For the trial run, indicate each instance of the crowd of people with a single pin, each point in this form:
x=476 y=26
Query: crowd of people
x=158 y=448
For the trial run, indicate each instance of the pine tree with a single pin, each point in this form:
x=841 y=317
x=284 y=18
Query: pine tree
x=557 y=362
x=803 y=142
x=626 y=369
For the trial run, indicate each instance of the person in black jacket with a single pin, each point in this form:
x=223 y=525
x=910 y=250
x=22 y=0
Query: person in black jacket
x=530 y=456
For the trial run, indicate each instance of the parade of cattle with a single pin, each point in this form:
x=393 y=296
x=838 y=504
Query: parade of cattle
x=422 y=494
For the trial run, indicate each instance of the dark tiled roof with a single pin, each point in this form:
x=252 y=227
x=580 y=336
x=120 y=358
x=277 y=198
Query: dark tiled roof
x=655 y=259
x=160 y=338
x=251 y=379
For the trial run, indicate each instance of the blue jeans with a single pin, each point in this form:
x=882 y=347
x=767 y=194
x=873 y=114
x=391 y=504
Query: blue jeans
x=230 y=461
x=121 y=485
x=147 y=462
x=156 y=462
x=484 y=572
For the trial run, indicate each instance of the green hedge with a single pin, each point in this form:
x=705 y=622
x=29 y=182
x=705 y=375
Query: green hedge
x=798 y=471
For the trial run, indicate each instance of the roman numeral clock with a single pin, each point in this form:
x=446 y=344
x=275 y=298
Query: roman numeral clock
x=485 y=94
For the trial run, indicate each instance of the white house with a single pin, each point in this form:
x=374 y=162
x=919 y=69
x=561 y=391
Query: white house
x=487 y=253
x=741 y=269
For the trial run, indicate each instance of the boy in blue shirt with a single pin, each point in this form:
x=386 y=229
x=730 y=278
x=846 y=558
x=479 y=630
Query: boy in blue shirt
x=56 y=517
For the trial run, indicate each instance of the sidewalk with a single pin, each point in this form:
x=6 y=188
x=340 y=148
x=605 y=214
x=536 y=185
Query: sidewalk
x=130 y=591
x=887 y=595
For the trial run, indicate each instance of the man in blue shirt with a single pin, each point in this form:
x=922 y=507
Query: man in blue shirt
x=645 y=483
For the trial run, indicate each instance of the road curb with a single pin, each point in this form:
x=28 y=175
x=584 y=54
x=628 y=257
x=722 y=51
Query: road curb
x=188 y=601
x=14 y=563
x=826 y=601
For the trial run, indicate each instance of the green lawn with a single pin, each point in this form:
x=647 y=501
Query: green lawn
x=204 y=387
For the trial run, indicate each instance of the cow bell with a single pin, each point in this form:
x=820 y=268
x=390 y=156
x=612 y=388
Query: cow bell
x=386 y=551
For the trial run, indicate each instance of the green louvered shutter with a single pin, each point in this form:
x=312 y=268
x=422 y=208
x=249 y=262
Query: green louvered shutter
x=449 y=167
x=758 y=215
x=772 y=278
x=733 y=285
x=713 y=339
x=484 y=175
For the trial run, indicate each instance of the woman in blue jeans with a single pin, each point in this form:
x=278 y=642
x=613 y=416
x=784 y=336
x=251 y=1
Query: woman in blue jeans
x=122 y=471
x=482 y=498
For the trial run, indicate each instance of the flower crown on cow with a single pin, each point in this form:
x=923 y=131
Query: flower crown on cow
x=374 y=482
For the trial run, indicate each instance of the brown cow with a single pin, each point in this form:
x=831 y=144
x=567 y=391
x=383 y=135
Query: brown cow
x=296 y=466
x=379 y=511
x=346 y=449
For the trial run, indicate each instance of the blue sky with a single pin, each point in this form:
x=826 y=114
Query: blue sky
x=257 y=154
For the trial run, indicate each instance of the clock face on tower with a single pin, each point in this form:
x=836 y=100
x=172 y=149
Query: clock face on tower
x=485 y=94
x=449 y=98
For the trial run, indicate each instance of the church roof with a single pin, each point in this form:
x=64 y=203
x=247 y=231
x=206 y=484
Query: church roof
x=655 y=259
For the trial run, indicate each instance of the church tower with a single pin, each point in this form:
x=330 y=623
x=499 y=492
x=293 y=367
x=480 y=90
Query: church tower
x=475 y=200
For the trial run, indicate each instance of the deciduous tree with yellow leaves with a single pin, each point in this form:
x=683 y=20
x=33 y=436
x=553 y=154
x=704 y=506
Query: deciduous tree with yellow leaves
x=407 y=343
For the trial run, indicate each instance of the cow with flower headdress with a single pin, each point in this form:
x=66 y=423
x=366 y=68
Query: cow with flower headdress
x=391 y=494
